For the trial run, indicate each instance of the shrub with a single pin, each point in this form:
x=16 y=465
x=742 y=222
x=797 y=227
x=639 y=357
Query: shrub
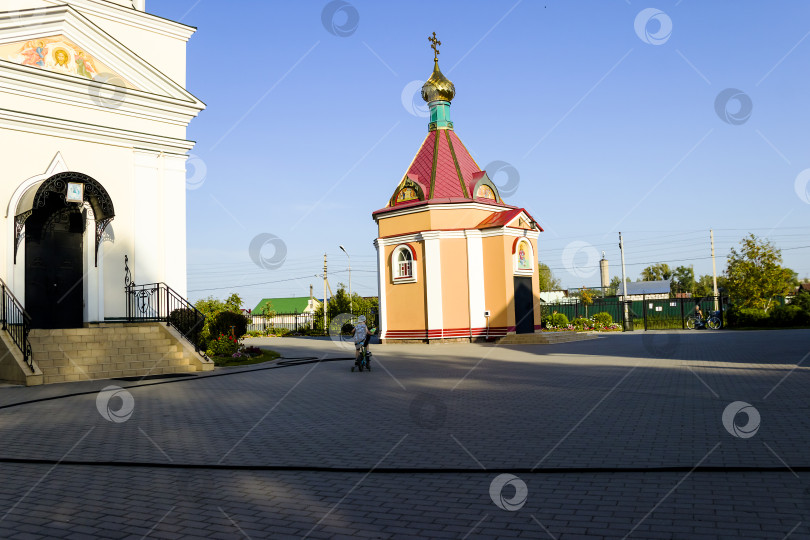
x=188 y=322
x=224 y=345
x=581 y=323
x=252 y=351
x=740 y=317
x=789 y=315
x=802 y=300
x=603 y=319
x=224 y=320
x=556 y=320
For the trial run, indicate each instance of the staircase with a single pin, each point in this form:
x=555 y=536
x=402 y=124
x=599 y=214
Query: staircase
x=545 y=338
x=103 y=351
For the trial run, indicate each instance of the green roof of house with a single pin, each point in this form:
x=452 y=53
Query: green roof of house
x=283 y=305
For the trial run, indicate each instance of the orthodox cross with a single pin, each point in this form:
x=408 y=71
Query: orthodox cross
x=435 y=46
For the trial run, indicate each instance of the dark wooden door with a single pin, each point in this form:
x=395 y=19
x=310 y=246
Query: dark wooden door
x=54 y=294
x=524 y=306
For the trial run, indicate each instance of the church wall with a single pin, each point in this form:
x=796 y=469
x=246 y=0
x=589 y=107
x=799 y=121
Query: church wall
x=166 y=53
x=160 y=42
x=457 y=218
x=455 y=294
x=87 y=112
x=148 y=193
x=406 y=302
x=407 y=223
x=498 y=280
x=432 y=218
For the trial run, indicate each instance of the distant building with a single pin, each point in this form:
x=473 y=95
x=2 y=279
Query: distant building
x=301 y=304
x=290 y=313
x=646 y=290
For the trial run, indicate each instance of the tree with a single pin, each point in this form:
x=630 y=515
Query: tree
x=615 y=286
x=268 y=310
x=211 y=307
x=547 y=280
x=656 y=272
x=705 y=285
x=586 y=297
x=683 y=279
x=755 y=273
x=339 y=303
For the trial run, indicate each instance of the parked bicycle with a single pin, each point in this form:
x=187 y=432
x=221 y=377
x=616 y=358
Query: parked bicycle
x=713 y=322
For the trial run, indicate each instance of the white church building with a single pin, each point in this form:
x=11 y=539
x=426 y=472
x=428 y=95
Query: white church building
x=93 y=119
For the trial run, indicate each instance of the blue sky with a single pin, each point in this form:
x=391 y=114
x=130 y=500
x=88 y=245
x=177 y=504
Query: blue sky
x=605 y=129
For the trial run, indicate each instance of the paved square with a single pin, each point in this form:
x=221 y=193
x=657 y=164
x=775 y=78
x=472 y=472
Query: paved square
x=617 y=437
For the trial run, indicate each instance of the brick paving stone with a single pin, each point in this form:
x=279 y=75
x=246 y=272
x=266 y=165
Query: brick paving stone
x=601 y=403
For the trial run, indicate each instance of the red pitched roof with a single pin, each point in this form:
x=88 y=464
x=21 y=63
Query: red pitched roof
x=443 y=167
x=501 y=219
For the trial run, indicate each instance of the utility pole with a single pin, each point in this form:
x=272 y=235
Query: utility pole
x=714 y=270
x=325 y=303
x=351 y=308
x=624 y=286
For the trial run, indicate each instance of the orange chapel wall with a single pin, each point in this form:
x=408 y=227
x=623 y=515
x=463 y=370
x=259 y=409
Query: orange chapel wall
x=498 y=281
x=405 y=302
x=455 y=284
x=432 y=219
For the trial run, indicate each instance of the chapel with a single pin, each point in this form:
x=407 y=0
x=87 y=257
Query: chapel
x=93 y=118
x=455 y=262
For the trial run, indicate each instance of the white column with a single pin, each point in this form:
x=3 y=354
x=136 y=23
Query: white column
x=475 y=278
x=382 y=276
x=433 y=280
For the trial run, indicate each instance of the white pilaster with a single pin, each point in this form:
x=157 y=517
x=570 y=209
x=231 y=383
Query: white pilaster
x=149 y=233
x=475 y=278
x=433 y=280
x=174 y=222
x=382 y=276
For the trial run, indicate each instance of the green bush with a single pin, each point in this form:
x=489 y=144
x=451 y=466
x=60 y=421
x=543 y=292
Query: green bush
x=802 y=300
x=581 y=323
x=188 y=322
x=224 y=320
x=224 y=345
x=556 y=320
x=746 y=317
x=789 y=315
x=603 y=319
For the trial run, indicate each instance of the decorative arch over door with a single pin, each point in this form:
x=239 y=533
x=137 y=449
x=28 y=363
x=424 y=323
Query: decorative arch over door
x=73 y=187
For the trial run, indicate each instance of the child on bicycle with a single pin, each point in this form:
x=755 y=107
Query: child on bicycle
x=361 y=336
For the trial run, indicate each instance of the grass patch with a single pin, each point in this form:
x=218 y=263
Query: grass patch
x=266 y=356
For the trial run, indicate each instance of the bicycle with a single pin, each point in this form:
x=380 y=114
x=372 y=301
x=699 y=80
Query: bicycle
x=712 y=322
x=364 y=361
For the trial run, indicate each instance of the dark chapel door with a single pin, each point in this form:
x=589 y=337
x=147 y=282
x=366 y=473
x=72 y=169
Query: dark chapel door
x=53 y=265
x=524 y=306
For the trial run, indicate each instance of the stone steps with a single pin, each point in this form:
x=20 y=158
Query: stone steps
x=108 y=351
x=545 y=338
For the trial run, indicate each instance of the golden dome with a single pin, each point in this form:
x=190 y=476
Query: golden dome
x=438 y=87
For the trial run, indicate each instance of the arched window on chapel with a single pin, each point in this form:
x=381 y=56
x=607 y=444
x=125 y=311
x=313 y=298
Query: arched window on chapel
x=403 y=264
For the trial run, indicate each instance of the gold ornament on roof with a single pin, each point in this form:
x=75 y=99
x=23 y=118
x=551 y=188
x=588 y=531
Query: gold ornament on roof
x=438 y=87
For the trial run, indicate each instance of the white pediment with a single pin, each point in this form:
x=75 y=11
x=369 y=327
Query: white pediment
x=60 y=40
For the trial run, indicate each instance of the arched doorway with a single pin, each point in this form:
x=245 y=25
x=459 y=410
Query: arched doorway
x=55 y=215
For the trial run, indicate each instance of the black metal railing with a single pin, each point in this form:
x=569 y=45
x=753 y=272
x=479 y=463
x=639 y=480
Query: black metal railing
x=17 y=323
x=157 y=302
